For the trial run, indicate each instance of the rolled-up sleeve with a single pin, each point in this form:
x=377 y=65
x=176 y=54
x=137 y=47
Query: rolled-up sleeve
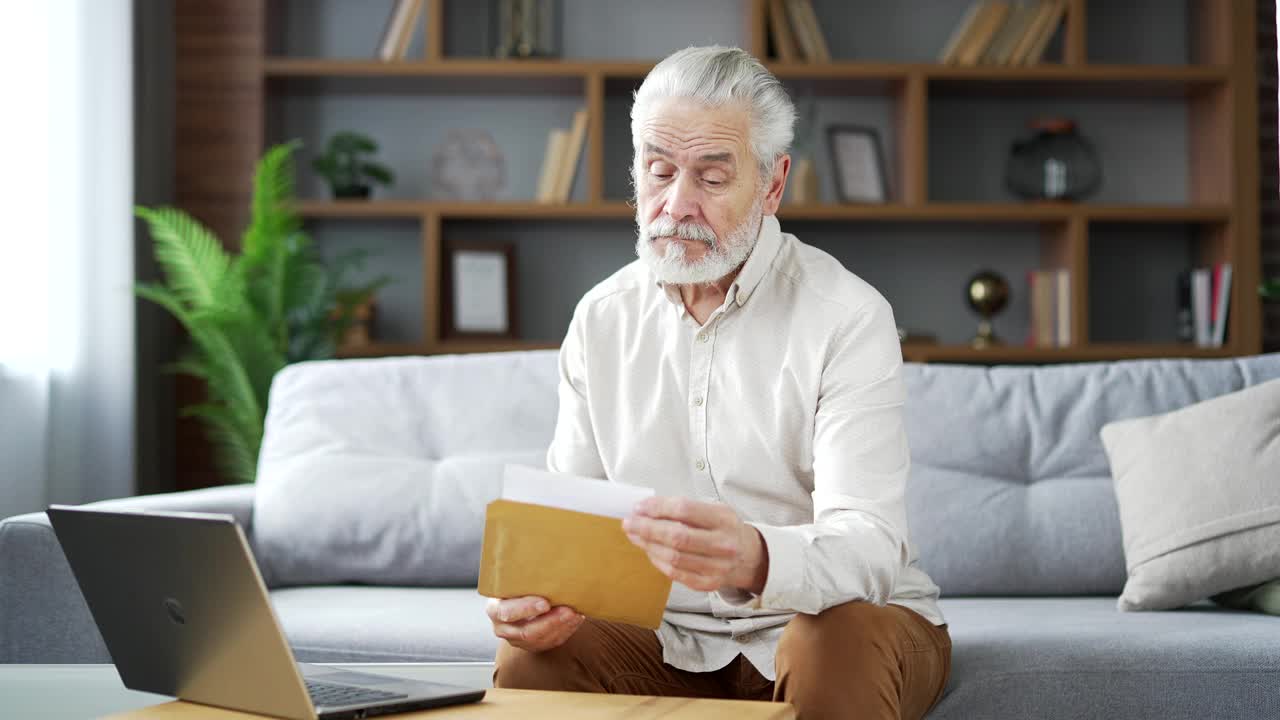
x=573 y=447
x=856 y=545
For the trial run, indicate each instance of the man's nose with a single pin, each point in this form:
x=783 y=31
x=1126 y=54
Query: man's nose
x=682 y=199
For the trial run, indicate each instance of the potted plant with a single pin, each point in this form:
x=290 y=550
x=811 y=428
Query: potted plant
x=1270 y=289
x=249 y=314
x=344 y=166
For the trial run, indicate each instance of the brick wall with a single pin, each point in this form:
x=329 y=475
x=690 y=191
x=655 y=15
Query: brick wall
x=1268 y=148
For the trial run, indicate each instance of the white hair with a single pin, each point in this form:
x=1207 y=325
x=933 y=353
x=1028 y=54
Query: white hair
x=717 y=76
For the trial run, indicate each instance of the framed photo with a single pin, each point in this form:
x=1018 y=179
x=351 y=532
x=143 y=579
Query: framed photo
x=857 y=160
x=479 y=290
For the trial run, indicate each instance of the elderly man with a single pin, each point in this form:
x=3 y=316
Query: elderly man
x=756 y=385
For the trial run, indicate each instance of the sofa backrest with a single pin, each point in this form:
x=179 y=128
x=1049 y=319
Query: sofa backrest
x=1010 y=490
x=379 y=470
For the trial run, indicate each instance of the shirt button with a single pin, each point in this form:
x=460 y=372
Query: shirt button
x=698 y=401
x=700 y=465
x=702 y=337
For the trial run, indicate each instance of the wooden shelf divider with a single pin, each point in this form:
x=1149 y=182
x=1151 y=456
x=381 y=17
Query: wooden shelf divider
x=1075 y=48
x=887 y=72
x=911 y=112
x=924 y=212
x=432 y=275
x=595 y=138
x=921 y=352
x=434 y=31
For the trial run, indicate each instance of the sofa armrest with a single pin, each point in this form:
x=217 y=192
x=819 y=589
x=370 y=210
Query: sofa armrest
x=43 y=616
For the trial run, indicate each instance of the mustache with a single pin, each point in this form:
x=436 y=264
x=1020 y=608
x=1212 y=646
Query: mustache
x=666 y=227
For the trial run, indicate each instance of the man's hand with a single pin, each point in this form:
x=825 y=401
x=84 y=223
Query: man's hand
x=704 y=546
x=530 y=623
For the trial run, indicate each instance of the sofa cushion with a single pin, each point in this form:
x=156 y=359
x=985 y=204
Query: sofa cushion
x=1012 y=657
x=385 y=624
x=378 y=471
x=1199 y=497
x=1080 y=658
x=1010 y=490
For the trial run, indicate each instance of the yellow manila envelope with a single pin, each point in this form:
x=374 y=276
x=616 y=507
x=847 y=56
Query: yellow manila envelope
x=535 y=545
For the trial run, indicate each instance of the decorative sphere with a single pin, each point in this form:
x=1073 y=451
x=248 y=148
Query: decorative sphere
x=987 y=293
x=468 y=165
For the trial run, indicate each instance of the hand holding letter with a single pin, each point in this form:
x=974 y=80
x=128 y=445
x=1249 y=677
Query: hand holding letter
x=704 y=546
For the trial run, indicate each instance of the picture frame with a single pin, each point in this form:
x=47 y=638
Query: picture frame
x=479 y=290
x=857 y=161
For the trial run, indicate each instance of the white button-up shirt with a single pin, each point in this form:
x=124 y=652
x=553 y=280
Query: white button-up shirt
x=787 y=404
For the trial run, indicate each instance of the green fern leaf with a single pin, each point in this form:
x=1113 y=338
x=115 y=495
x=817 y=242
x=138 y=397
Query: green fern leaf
x=194 y=263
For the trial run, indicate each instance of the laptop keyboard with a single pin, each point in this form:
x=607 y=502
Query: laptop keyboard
x=329 y=694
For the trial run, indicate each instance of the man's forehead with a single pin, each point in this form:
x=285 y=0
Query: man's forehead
x=711 y=155
x=683 y=126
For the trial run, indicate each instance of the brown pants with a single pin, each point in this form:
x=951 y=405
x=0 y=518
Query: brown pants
x=853 y=660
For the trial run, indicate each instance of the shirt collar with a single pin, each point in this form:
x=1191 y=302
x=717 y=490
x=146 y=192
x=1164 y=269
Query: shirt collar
x=753 y=270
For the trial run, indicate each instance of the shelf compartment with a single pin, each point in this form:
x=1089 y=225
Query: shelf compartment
x=393 y=249
x=1134 y=268
x=412 y=129
x=555 y=263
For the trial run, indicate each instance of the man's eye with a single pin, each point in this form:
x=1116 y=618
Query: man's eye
x=714 y=183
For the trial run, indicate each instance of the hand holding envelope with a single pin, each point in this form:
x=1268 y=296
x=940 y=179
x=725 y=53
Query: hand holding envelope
x=560 y=538
x=703 y=546
x=557 y=547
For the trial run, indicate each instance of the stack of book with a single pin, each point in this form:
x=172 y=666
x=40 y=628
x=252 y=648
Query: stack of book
x=796 y=34
x=1050 y=293
x=560 y=164
x=998 y=32
x=398 y=32
x=1204 y=297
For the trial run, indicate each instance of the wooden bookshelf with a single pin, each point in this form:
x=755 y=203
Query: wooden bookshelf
x=1217 y=88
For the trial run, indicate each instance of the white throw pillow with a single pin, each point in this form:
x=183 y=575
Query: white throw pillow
x=378 y=471
x=1199 y=497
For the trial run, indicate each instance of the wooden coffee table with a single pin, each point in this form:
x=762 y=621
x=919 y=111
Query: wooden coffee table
x=54 y=692
x=527 y=705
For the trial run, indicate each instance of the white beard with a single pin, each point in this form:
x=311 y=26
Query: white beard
x=720 y=259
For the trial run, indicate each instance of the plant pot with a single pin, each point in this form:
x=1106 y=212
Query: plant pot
x=352 y=192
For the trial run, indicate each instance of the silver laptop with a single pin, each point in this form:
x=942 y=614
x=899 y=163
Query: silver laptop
x=184 y=612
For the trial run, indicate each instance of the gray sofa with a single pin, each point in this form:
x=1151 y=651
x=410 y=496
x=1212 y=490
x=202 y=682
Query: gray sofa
x=1010 y=504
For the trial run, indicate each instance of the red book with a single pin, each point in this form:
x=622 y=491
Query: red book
x=1213 y=294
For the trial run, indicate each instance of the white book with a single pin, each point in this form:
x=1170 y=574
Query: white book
x=396 y=22
x=1064 y=308
x=556 y=140
x=1223 y=305
x=1200 y=288
x=569 y=157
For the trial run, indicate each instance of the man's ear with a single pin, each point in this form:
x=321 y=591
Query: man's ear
x=777 y=184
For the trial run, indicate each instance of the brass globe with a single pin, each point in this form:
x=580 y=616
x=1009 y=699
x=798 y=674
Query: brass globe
x=988 y=294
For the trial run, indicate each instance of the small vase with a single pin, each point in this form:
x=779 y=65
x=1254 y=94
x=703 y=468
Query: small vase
x=1055 y=164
